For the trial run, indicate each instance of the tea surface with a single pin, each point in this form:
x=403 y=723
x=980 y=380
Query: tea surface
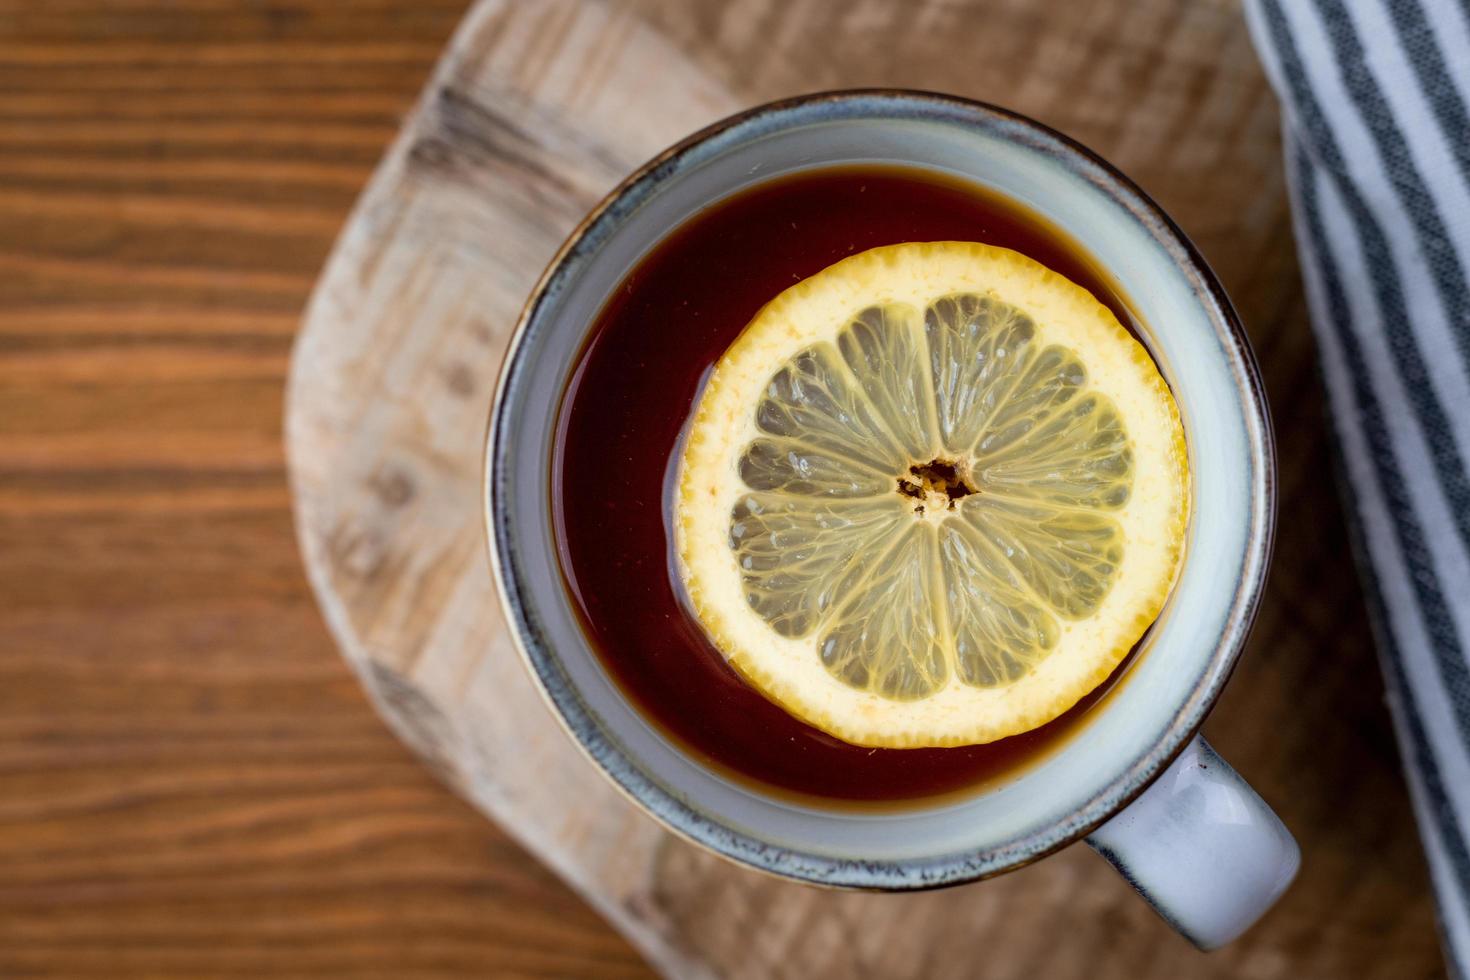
x=652 y=345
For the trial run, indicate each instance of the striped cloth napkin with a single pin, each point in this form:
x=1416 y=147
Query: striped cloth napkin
x=1377 y=139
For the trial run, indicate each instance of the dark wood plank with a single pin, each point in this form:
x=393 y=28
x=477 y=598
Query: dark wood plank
x=192 y=783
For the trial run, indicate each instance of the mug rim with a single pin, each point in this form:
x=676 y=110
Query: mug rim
x=743 y=849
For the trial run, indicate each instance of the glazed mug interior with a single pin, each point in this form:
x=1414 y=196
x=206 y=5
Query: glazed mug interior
x=1190 y=330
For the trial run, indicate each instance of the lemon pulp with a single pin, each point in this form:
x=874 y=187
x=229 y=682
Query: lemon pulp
x=932 y=495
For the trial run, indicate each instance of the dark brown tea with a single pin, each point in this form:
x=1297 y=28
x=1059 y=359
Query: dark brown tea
x=653 y=344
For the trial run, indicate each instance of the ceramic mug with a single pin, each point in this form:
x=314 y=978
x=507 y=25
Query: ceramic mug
x=1137 y=782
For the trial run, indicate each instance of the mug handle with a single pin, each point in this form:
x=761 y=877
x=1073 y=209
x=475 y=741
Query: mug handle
x=1202 y=848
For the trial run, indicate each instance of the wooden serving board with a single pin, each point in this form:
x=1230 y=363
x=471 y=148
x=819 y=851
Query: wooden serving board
x=537 y=109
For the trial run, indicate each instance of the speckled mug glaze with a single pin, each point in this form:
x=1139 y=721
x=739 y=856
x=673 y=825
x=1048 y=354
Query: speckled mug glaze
x=1199 y=843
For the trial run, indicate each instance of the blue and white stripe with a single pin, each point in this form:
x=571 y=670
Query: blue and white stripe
x=1374 y=98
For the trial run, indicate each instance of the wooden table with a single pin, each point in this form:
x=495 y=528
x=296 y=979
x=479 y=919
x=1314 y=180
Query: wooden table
x=191 y=783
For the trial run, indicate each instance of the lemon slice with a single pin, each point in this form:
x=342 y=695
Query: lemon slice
x=932 y=495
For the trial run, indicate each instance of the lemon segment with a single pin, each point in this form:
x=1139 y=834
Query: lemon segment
x=932 y=495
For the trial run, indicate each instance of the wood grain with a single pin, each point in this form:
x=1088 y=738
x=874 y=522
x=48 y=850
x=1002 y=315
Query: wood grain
x=191 y=783
x=535 y=111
